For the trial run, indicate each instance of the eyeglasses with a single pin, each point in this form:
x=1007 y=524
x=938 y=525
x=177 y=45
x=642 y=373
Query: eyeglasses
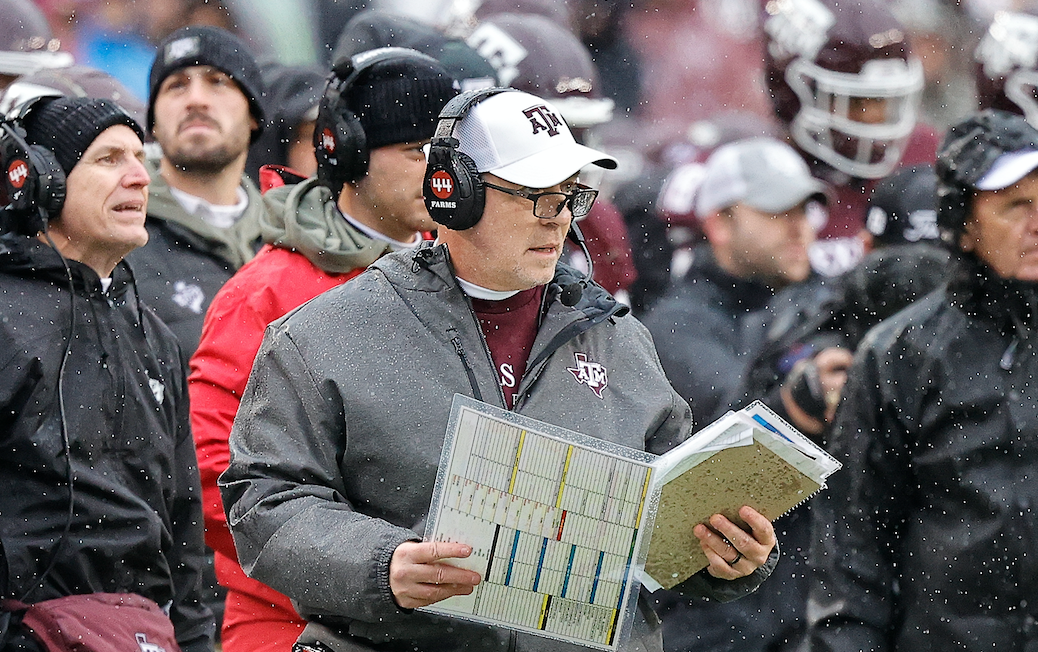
x=550 y=204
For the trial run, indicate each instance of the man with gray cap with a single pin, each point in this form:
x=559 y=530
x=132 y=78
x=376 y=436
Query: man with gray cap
x=98 y=481
x=926 y=540
x=204 y=109
x=363 y=377
x=753 y=204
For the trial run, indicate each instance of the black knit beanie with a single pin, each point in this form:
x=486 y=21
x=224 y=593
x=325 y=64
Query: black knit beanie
x=208 y=46
x=399 y=100
x=68 y=125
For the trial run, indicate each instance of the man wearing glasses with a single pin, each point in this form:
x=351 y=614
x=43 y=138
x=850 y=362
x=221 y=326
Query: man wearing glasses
x=363 y=376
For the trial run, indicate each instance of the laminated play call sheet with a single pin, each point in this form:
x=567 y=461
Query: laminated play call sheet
x=555 y=519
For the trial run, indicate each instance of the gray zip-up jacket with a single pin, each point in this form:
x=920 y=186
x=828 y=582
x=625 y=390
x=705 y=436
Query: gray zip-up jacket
x=335 y=447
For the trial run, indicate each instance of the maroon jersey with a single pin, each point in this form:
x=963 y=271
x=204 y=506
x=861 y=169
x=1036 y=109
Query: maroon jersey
x=838 y=247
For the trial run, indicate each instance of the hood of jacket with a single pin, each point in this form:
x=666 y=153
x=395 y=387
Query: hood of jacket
x=237 y=244
x=303 y=217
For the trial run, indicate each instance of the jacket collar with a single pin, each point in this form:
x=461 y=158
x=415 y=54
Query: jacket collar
x=236 y=245
x=27 y=257
x=979 y=291
x=435 y=258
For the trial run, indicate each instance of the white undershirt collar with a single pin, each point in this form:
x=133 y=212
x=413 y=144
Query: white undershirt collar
x=216 y=215
x=480 y=292
x=395 y=245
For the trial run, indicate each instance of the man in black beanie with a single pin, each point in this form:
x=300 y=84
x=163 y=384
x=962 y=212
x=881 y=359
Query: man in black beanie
x=204 y=109
x=99 y=487
x=925 y=539
x=365 y=201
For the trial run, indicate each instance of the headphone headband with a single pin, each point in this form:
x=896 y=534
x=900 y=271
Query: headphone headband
x=349 y=69
x=458 y=108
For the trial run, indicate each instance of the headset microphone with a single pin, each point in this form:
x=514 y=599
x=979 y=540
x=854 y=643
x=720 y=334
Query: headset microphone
x=570 y=294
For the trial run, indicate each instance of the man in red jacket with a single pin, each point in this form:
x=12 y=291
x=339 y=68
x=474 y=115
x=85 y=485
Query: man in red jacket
x=378 y=110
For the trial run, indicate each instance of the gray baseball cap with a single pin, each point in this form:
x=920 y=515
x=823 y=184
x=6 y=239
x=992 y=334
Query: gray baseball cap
x=763 y=173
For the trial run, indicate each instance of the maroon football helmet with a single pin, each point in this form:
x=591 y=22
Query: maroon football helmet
x=535 y=54
x=1007 y=65
x=824 y=61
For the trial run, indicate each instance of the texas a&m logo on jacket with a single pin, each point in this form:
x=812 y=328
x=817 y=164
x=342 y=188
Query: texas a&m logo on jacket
x=588 y=373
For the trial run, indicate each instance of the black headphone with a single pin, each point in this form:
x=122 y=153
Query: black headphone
x=340 y=144
x=33 y=189
x=454 y=191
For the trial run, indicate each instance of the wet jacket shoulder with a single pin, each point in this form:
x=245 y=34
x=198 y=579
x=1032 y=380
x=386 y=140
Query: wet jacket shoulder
x=186 y=260
x=369 y=413
x=136 y=525
x=936 y=435
x=704 y=328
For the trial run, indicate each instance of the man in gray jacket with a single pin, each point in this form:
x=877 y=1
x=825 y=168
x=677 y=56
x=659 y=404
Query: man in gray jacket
x=363 y=377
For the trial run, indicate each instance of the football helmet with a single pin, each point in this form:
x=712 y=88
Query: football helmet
x=535 y=54
x=826 y=60
x=1007 y=65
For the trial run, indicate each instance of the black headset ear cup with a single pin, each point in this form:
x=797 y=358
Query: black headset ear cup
x=455 y=195
x=340 y=144
x=454 y=191
x=34 y=183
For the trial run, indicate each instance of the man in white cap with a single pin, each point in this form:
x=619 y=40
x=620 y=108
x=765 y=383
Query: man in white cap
x=926 y=539
x=364 y=375
x=752 y=205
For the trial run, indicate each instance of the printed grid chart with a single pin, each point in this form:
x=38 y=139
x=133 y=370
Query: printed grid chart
x=553 y=528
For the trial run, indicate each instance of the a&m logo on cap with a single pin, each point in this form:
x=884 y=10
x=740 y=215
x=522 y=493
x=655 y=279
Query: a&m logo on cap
x=543 y=119
x=442 y=184
x=17 y=173
x=182 y=47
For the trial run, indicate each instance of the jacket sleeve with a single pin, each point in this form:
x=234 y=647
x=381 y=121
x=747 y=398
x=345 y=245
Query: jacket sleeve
x=220 y=368
x=285 y=496
x=856 y=521
x=191 y=618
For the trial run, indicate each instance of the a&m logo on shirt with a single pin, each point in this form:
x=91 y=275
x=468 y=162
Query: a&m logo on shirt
x=591 y=374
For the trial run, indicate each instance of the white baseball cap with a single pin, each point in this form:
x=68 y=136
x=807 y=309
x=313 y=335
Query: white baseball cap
x=763 y=173
x=523 y=139
x=1008 y=169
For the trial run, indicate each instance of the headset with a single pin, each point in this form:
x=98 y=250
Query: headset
x=340 y=144
x=453 y=188
x=455 y=195
x=33 y=187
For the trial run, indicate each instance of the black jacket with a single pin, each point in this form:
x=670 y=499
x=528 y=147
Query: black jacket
x=704 y=328
x=187 y=261
x=137 y=519
x=926 y=538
